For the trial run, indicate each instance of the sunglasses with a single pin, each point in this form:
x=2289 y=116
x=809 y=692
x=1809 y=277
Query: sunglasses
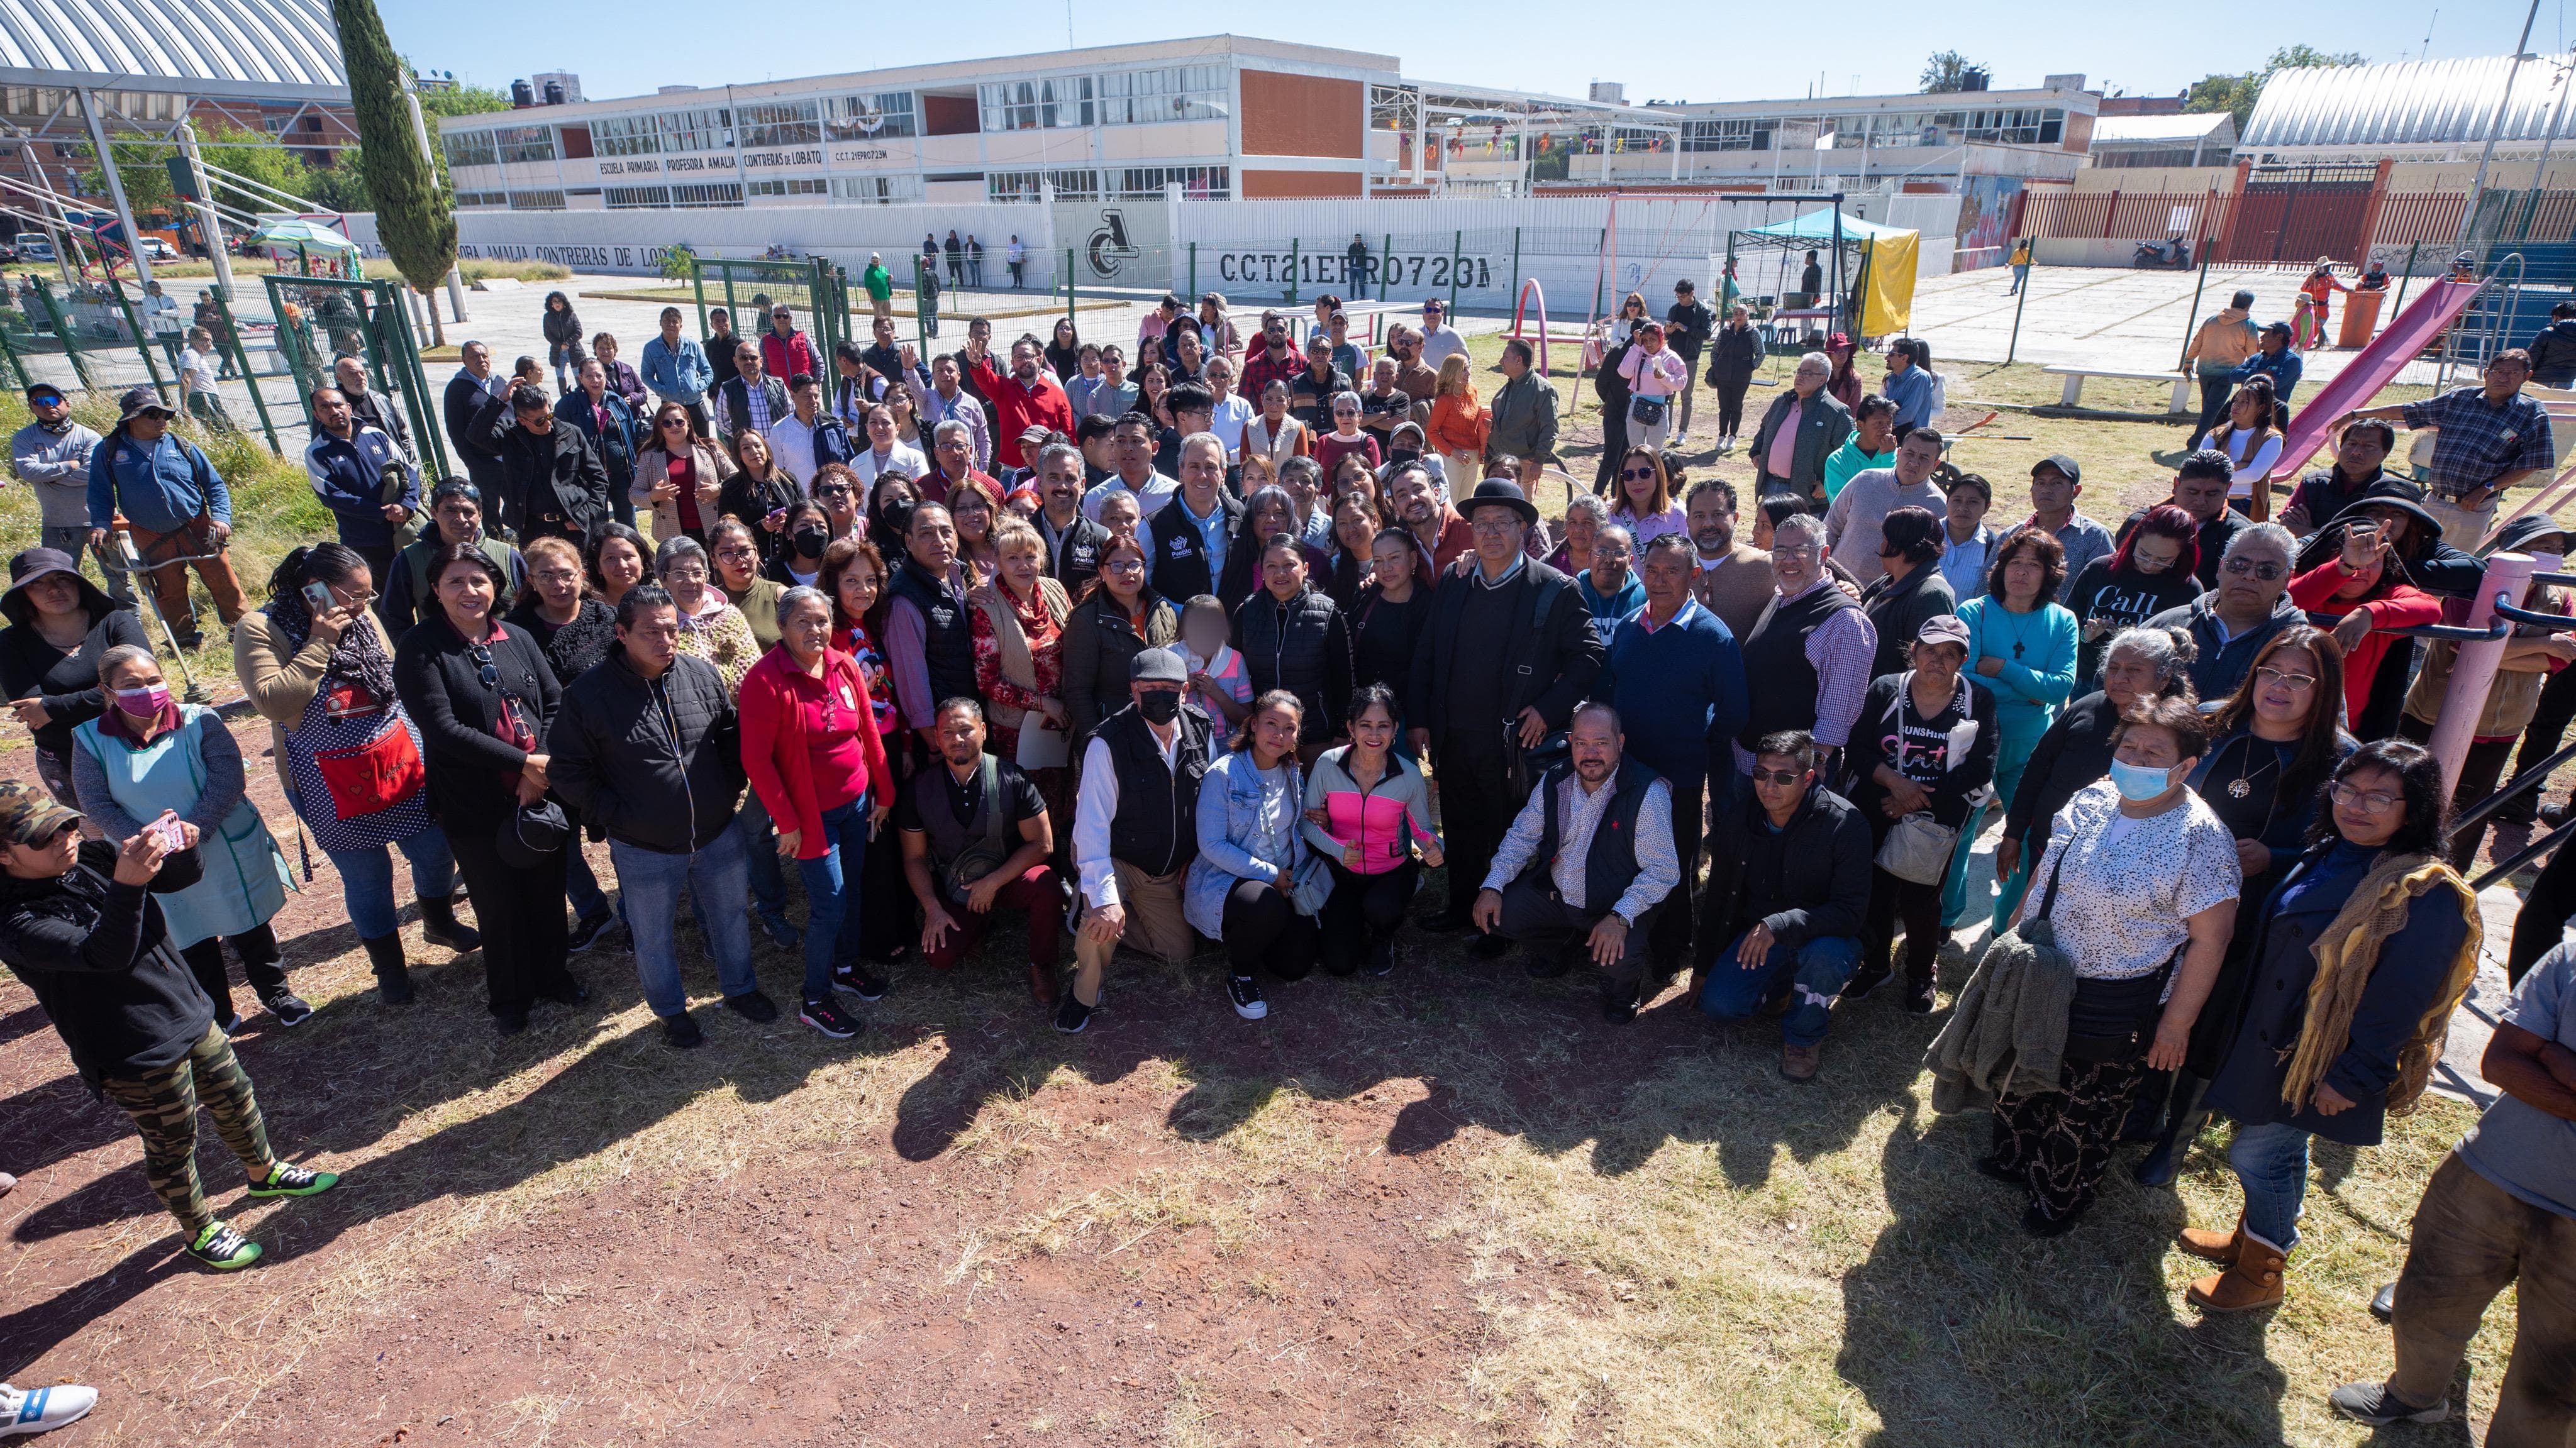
x=1631 y=475
x=484 y=668
x=2268 y=572
x=1784 y=778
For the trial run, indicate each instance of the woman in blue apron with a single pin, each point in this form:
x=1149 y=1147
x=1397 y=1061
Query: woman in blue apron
x=150 y=756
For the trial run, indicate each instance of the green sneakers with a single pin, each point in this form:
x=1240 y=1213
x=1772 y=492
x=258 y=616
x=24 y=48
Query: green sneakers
x=223 y=1249
x=295 y=1181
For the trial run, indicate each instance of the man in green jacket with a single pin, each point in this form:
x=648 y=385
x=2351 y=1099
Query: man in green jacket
x=880 y=285
x=1524 y=409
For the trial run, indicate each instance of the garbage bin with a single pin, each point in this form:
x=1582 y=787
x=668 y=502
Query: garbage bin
x=2360 y=318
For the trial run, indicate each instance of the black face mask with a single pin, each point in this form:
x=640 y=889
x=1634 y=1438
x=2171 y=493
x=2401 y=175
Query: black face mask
x=1159 y=706
x=1403 y=454
x=810 y=542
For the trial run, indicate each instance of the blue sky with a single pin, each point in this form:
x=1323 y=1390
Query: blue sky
x=2158 y=47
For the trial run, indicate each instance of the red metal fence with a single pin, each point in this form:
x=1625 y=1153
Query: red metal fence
x=2294 y=224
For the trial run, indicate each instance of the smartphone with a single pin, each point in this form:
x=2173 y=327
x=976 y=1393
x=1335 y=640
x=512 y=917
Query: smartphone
x=317 y=597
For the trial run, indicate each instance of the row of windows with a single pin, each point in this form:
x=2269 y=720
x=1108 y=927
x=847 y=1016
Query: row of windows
x=1118 y=98
x=629 y=198
x=524 y=143
x=536 y=201
x=482 y=198
x=877 y=190
x=2024 y=126
x=802 y=186
x=1200 y=183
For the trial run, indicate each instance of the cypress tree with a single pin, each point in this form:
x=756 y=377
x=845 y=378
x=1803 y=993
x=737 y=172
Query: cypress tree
x=412 y=215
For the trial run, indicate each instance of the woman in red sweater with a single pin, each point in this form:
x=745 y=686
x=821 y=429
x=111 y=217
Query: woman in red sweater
x=2363 y=591
x=810 y=745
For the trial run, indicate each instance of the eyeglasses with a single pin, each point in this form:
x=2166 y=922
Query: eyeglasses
x=831 y=490
x=1124 y=565
x=2295 y=683
x=2369 y=802
x=1346 y=412
x=1784 y=778
x=1636 y=475
x=2268 y=572
x=1792 y=555
x=738 y=554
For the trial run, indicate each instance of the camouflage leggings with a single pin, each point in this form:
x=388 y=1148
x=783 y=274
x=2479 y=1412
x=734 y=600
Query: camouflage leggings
x=164 y=1107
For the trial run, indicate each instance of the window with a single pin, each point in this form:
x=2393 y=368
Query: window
x=1037 y=105
x=709 y=129
x=1747 y=134
x=626 y=136
x=1198 y=183
x=525 y=143
x=2025 y=126
x=622 y=198
x=877 y=190
x=536 y=201
x=482 y=198
x=884 y=116
x=1178 y=93
x=720 y=194
x=1024 y=185
x=469 y=148
x=800 y=187
x=796 y=123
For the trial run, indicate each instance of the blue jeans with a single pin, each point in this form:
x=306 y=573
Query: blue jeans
x=650 y=883
x=760 y=849
x=831 y=896
x=1813 y=971
x=2271 y=1163
x=367 y=880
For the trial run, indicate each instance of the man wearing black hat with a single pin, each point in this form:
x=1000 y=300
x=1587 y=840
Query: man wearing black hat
x=176 y=507
x=1135 y=826
x=1509 y=651
x=52 y=454
x=2056 y=481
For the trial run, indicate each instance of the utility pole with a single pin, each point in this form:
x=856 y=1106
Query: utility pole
x=2478 y=183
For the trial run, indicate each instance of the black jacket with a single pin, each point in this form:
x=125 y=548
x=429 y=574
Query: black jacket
x=1808 y=881
x=99 y=959
x=557 y=486
x=471 y=769
x=1073 y=556
x=1550 y=656
x=1302 y=646
x=656 y=764
x=1099 y=645
x=1176 y=552
x=1738 y=352
x=459 y=407
x=1240 y=579
x=31 y=668
x=2553 y=354
x=1687 y=326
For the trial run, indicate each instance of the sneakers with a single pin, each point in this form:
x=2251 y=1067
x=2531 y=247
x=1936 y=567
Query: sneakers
x=827 y=1018
x=1379 y=963
x=287 y=1180
x=1073 y=1015
x=288 y=1009
x=751 y=1005
x=2373 y=1404
x=1799 y=1063
x=587 y=930
x=781 y=934
x=1245 y=992
x=1918 y=995
x=684 y=1033
x=856 y=979
x=42 y=1410
x=223 y=1249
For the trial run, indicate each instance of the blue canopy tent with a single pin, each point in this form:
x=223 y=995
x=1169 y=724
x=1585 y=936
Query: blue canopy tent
x=1879 y=300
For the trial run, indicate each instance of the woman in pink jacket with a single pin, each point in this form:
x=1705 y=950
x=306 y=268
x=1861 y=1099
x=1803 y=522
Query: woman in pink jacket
x=1366 y=814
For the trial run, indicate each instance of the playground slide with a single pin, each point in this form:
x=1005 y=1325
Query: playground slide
x=2418 y=327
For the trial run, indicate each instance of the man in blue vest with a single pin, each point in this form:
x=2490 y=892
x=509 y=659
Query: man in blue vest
x=1589 y=858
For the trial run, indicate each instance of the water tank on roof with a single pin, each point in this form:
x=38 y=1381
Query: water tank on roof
x=1973 y=78
x=554 y=93
x=1610 y=92
x=522 y=94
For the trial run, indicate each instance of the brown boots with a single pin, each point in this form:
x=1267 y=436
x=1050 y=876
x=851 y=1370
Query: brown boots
x=2253 y=1276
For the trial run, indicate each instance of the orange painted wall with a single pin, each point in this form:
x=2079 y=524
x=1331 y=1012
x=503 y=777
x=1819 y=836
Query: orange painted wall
x=1300 y=115
x=1256 y=184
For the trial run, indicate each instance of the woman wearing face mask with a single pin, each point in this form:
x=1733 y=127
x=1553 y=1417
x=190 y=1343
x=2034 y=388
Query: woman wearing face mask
x=737 y=557
x=150 y=760
x=809 y=532
x=689 y=482
x=347 y=751
x=60 y=626
x=885 y=448
x=1256 y=883
x=2139 y=882
x=2150 y=572
x=1367 y=810
x=889 y=512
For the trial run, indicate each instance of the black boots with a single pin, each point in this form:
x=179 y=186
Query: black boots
x=393 y=975
x=439 y=926
x=2183 y=1120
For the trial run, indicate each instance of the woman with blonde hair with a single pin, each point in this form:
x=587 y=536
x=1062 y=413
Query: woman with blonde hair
x=682 y=475
x=1018 y=629
x=1460 y=426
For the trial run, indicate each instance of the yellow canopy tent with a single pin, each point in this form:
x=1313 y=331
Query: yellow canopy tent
x=1884 y=281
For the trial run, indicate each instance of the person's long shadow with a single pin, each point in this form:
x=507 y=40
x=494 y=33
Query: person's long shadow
x=1957 y=1317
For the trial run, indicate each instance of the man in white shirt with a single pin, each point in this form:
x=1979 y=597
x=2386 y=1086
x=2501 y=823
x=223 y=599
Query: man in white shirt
x=791 y=438
x=1133 y=830
x=1231 y=414
x=1132 y=448
x=161 y=315
x=1439 y=339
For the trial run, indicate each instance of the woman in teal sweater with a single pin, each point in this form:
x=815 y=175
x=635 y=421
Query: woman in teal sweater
x=2023 y=646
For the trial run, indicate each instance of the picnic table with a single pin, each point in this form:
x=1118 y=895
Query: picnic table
x=2072 y=394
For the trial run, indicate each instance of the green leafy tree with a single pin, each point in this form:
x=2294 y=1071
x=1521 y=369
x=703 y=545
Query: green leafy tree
x=1946 y=72
x=2236 y=94
x=244 y=153
x=413 y=218
x=463 y=100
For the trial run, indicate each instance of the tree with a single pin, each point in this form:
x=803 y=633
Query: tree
x=248 y=154
x=2236 y=94
x=413 y=219
x=463 y=100
x=1946 y=72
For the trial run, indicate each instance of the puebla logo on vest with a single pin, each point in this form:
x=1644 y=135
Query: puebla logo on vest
x=1181 y=547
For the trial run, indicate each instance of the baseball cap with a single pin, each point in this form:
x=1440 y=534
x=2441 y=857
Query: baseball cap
x=2063 y=464
x=1943 y=628
x=28 y=815
x=43 y=390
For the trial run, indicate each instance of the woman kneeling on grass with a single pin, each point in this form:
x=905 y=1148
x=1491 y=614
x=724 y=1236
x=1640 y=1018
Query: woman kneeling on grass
x=1366 y=810
x=1245 y=886
x=79 y=925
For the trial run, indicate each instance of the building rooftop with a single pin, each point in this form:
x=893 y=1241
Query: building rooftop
x=2410 y=103
x=2168 y=130
x=246 y=49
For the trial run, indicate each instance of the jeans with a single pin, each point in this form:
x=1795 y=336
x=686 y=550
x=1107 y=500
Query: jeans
x=1363 y=908
x=71 y=540
x=2271 y=1163
x=581 y=886
x=650 y=882
x=1264 y=932
x=367 y=880
x=831 y=895
x=760 y=851
x=2214 y=393
x=1813 y=972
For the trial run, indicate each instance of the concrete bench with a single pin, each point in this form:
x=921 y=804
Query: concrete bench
x=2073 y=393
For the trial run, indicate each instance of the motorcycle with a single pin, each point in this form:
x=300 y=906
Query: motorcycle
x=2173 y=253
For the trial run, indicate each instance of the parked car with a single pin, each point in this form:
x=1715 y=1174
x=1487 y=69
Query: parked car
x=34 y=246
x=155 y=249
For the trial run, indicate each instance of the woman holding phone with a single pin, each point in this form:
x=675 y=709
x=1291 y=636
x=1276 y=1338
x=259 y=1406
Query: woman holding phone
x=683 y=476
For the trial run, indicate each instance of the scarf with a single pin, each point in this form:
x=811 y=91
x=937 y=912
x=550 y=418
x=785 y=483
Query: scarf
x=359 y=660
x=2348 y=952
x=1002 y=610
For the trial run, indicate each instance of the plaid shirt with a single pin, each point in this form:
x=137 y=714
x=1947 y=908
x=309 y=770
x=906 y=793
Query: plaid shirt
x=2480 y=441
x=1842 y=649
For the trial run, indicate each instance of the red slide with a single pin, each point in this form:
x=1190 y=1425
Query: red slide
x=2418 y=327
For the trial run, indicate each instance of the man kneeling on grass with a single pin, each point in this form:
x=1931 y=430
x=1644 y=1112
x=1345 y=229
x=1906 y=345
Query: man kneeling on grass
x=1588 y=859
x=955 y=823
x=1793 y=930
x=80 y=927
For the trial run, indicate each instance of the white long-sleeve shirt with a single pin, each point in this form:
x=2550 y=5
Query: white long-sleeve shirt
x=1579 y=813
x=1097 y=804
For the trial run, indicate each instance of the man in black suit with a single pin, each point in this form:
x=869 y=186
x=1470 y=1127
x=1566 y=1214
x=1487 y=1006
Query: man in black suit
x=1509 y=651
x=467 y=392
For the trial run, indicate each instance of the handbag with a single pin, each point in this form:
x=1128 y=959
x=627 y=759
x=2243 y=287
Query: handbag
x=1648 y=411
x=1918 y=848
x=373 y=776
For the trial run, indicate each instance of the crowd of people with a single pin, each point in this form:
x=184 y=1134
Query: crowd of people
x=1236 y=643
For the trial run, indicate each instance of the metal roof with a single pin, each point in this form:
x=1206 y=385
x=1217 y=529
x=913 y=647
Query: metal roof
x=2411 y=103
x=2170 y=130
x=265 y=49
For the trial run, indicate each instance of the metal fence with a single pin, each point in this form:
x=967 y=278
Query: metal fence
x=2292 y=225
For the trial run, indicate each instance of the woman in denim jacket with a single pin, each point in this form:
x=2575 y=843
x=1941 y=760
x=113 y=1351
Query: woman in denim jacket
x=1255 y=885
